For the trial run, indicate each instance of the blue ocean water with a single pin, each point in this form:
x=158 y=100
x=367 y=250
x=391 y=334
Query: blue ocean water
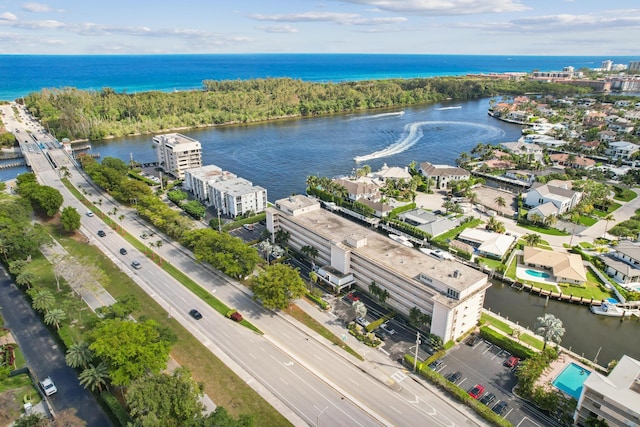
x=23 y=74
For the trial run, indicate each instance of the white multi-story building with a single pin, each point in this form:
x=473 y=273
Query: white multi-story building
x=451 y=293
x=614 y=398
x=177 y=153
x=225 y=191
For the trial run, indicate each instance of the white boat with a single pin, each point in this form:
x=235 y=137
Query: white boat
x=401 y=239
x=607 y=309
x=457 y=107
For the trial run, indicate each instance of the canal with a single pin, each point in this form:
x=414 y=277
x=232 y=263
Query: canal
x=586 y=333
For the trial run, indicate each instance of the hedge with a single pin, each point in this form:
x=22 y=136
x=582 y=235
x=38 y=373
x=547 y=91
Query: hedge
x=462 y=395
x=116 y=408
x=400 y=209
x=506 y=343
x=376 y=323
x=323 y=304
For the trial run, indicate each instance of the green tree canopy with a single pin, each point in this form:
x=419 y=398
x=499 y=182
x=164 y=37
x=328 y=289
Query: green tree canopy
x=277 y=286
x=130 y=349
x=70 y=219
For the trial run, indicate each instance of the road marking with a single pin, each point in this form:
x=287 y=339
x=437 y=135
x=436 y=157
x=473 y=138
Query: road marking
x=287 y=363
x=530 y=421
x=286 y=383
x=285 y=335
x=225 y=334
x=251 y=354
x=398 y=376
x=317 y=357
x=395 y=409
x=460 y=383
x=353 y=381
x=383 y=350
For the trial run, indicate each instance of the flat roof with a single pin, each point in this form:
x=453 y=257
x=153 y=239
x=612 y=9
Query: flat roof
x=621 y=385
x=396 y=257
x=236 y=186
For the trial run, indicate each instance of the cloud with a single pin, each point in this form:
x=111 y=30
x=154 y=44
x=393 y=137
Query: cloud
x=338 y=18
x=444 y=7
x=36 y=7
x=8 y=16
x=561 y=23
x=279 y=29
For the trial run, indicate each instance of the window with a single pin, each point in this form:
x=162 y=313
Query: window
x=452 y=293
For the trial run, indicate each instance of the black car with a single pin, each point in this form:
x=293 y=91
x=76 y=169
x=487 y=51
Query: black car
x=488 y=399
x=123 y=251
x=472 y=340
x=454 y=377
x=501 y=408
x=101 y=233
x=436 y=364
x=382 y=335
x=195 y=314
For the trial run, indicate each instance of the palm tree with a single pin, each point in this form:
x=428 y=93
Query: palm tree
x=79 y=355
x=608 y=217
x=550 y=221
x=41 y=299
x=4 y=250
x=550 y=328
x=536 y=218
x=532 y=239
x=25 y=278
x=54 y=317
x=501 y=202
x=94 y=376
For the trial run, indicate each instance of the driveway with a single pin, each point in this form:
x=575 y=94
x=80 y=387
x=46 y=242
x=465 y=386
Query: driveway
x=45 y=357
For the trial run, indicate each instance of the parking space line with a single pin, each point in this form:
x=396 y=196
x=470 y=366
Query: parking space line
x=530 y=421
x=460 y=383
x=490 y=347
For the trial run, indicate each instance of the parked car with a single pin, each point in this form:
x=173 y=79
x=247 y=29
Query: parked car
x=352 y=297
x=382 y=335
x=436 y=364
x=123 y=251
x=136 y=264
x=385 y=327
x=454 y=377
x=488 y=399
x=473 y=340
x=195 y=314
x=48 y=386
x=89 y=213
x=512 y=362
x=236 y=317
x=362 y=321
x=501 y=408
x=476 y=391
x=101 y=233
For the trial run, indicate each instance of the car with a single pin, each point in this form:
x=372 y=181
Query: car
x=362 y=321
x=488 y=399
x=436 y=364
x=123 y=251
x=101 y=233
x=136 y=264
x=89 y=214
x=236 y=316
x=48 y=386
x=352 y=297
x=512 y=362
x=382 y=335
x=454 y=377
x=385 y=327
x=437 y=212
x=476 y=391
x=501 y=408
x=195 y=314
x=473 y=340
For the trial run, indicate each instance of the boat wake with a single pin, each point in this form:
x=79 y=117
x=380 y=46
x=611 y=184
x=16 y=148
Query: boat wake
x=414 y=133
x=377 y=116
x=457 y=107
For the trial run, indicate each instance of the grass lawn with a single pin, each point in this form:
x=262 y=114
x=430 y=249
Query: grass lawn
x=543 y=230
x=489 y=262
x=586 y=245
x=587 y=220
x=624 y=194
x=13 y=391
x=221 y=384
x=452 y=234
x=507 y=329
x=602 y=214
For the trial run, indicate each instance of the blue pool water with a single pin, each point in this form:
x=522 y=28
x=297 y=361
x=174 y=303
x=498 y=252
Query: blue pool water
x=570 y=380
x=537 y=274
x=613 y=300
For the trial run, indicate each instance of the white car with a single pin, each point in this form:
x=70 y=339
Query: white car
x=89 y=213
x=48 y=386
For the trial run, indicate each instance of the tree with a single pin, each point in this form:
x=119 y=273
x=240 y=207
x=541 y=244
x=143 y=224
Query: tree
x=25 y=278
x=550 y=328
x=167 y=400
x=41 y=299
x=121 y=309
x=501 y=202
x=94 y=377
x=277 y=285
x=79 y=355
x=310 y=252
x=130 y=349
x=607 y=218
x=55 y=317
x=532 y=239
x=70 y=219
x=281 y=238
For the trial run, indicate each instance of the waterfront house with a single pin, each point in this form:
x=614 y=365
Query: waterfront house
x=176 y=153
x=380 y=208
x=577 y=162
x=429 y=222
x=614 y=399
x=523 y=149
x=492 y=245
x=621 y=150
x=360 y=189
x=565 y=267
x=443 y=175
x=394 y=173
x=521 y=175
x=624 y=264
x=562 y=198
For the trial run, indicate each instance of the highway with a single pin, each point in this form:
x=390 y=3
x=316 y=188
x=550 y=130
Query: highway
x=306 y=378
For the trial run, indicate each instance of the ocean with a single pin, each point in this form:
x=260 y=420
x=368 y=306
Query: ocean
x=23 y=74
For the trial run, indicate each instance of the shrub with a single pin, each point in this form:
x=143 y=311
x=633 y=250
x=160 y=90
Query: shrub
x=116 y=408
x=318 y=301
x=506 y=343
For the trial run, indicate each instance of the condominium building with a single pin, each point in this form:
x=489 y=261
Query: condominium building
x=177 y=153
x=614 y=398
x=225 y=191
x=451 y=293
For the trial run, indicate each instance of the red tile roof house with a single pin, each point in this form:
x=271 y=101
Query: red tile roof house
x=577 y=163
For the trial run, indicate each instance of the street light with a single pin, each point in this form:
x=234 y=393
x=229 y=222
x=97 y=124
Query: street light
x=318 y=417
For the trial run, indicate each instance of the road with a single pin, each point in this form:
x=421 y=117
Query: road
x=310 y=381
x=44 y=357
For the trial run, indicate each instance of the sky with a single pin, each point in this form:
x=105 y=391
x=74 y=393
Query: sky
x=487 y=27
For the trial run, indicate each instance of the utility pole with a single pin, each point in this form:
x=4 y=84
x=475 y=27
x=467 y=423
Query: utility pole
x=415 y=359
x=219 y=223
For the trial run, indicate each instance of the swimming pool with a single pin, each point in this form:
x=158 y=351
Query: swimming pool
x=537 y=274
x=570 y=380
